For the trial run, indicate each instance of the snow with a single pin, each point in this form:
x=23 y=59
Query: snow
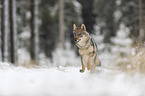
x=122 y=36
x=25 y=34
x=118 y=14
x=68 y=81
x=23 y=56
x=65 y=57
x=118 y=2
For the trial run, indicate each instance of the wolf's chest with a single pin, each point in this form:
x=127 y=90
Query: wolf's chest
x=86 y=51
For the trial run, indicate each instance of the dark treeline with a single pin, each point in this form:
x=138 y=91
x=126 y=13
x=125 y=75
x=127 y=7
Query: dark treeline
x=12 y=23
x=40 y=19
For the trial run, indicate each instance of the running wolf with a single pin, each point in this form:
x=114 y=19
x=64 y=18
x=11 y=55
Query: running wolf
x=87 y=48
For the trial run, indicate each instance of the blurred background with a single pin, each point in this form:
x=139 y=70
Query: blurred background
x=40 y=31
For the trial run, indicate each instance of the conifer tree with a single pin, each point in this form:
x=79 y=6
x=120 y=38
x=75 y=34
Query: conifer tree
x=0 y=32
x=122 y=45
x=34 y=31
x=13 y=31
x=5 y=30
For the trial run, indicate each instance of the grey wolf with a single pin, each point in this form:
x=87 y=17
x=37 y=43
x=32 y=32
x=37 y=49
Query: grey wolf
x=87 y=48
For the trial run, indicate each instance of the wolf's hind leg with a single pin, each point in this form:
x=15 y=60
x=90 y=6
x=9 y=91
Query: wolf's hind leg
x=88 y=66
x=91 y=64
x=97 y=62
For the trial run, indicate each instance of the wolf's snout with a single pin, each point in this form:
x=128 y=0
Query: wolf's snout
x=75 y=38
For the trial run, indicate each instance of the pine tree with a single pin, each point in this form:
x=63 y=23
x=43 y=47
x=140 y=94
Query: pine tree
x=61 y=23
x=88 y=14
x=49 y=27
x=49 y=15
x=122 y=45
x=103 y=49
x=13 y=31
x=105 y=17
x=0 y=32
x=130 y=16
x=34 y=31
x=141 y=21
x=5 y=30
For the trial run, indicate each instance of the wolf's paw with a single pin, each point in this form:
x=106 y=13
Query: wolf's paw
x=81 y=70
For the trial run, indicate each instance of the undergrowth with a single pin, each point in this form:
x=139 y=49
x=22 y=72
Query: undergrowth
x=29 y=64
x=136 y=62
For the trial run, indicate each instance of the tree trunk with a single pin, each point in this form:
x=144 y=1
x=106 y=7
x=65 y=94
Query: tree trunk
x=0 y=32
x=88 y=15
x=13 y=30
x=34 y=31
x=141 y=26
x=61 y=23
x=5 y=30
x=110 y=22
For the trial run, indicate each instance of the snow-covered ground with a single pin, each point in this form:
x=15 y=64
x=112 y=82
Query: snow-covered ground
x=68 y=81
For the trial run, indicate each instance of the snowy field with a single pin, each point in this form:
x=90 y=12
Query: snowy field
x=68 y=81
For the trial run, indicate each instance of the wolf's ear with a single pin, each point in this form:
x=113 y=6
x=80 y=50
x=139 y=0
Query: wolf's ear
x=74 y=26
x=83 y=27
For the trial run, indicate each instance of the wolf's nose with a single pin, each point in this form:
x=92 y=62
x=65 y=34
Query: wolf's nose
x=75 y=40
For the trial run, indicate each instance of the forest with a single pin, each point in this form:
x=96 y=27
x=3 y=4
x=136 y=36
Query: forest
x=36 y=37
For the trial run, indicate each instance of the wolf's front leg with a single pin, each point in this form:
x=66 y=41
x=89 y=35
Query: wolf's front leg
x=84 y=60
x=83 y=68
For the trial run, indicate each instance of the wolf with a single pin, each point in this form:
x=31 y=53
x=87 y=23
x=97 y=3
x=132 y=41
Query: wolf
x=87 y=48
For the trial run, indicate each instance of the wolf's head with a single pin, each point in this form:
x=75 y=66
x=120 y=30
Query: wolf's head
x=80 y=34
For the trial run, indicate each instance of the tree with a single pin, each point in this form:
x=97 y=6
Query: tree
x=72 y=14
x=13 y=30
x=49 y=27
x=105 y=17
x=141 y=21
x=110 y=21
x=0 y=32
x=34 y=31
x=130 y=16
x=122 y=45
x=61 y=23
x=49 y=16
x=88 y=14
x=5 y=32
